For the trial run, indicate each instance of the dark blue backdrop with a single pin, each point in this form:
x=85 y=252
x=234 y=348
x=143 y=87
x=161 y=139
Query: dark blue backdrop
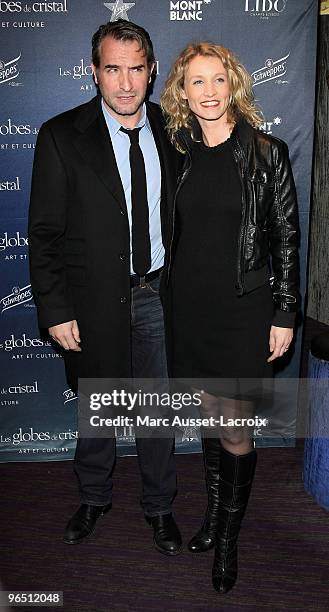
x=44 y=70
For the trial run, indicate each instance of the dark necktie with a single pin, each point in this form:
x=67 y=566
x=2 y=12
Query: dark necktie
x=141 y=244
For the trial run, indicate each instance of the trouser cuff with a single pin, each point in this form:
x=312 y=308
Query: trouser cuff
x=95 y=502
x=159 y=513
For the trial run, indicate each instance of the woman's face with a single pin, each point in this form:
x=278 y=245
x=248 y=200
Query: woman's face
x=206 y=88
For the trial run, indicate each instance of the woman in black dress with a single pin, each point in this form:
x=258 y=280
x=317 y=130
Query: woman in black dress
x=235 y=224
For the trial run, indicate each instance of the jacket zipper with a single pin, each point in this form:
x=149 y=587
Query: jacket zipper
x=242 y=237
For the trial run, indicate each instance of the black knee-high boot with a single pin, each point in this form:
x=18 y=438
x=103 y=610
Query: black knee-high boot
x=236 y=474
x=204 y=539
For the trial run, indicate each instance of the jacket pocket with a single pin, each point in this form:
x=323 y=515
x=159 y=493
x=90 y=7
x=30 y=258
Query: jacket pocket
x=261 y=176
x=261 y=189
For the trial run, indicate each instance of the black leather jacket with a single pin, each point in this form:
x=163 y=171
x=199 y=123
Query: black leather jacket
x=269 y=231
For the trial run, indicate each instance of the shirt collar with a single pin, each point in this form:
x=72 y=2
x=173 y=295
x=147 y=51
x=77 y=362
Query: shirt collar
x=114 y=125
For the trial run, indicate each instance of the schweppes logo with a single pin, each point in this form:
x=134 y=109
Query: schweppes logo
x=273 y=69
x=9 y=70
x=16 y=298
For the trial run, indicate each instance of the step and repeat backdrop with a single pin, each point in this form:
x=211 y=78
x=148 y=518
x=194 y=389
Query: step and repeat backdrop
x=45 y=50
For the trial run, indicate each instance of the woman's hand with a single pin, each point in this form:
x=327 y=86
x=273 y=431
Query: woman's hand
x=280 y=339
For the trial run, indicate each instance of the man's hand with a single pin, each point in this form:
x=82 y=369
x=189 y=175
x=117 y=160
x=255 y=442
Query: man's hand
x=280 y=339
x=67 y=335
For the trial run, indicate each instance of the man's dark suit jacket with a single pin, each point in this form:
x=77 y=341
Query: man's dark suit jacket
x=79 y=235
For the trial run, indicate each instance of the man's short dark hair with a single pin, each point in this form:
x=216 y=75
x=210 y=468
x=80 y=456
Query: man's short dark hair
x=122 y=30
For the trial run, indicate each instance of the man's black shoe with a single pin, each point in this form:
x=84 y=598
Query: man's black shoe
x=83 y=522
x=167 y=538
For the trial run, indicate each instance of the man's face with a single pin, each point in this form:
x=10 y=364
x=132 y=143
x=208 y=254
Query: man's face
x=122 y=77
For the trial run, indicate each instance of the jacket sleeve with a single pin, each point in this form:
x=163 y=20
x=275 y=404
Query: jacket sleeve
x=284 y=236
x=47 y=226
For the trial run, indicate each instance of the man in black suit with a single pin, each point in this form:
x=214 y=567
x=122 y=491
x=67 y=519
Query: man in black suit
x=96 y=254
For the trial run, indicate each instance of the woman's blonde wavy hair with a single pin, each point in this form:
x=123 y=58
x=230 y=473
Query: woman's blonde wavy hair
x=176 y=109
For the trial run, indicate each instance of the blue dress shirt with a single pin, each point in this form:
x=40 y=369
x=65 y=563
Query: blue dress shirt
x=121 y=146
